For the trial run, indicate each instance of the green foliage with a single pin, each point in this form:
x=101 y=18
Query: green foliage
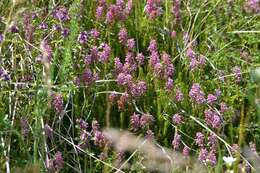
x=222 y=31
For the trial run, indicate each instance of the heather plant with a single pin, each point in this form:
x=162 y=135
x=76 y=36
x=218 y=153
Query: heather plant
x=178 y=81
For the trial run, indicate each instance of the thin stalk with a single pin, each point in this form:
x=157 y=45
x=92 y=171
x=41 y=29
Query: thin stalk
x=9 y=18
x=228 y=146
x=89 y=154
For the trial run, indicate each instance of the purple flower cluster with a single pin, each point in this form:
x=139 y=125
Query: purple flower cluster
x=140 y=121
x=169 y=68
x=96 y=135
x=84 y=138
x=83 y=37
x=114 y=12
x=193 y=64
x=253 y=6
x=124 y=75
x=152 y=46
x=129 y=66
x=153 y=8
x=199 y=139
x=61 y=13
x=94 y=33
x=135 y=121
x=123 y=36
x=196 y=94
x=146 y=119
x=140 y=58
x=169 y=84
x=57 y=102
x=195 y=61
x=124 y=40
x=138 y=89
x=205 y=156
x=56 y=163
x=130 y=44
x=162 y=67
x=190 y=53
x=212 y=118
x=118 y=65
x=104 y=53
x=82 y=124
x=211 y=158
x=87 y=77
x=179 y=95
x=238 y=74
x=99 y=12
x=99 y=139
x=211 y=99
x=158 y=69
x=155 y=61
x=186 y=151
x=177 y=119
x=212 y=141
x=56 y=27
x=176 y=141
x=203 y=153
x=100 y=54
x=119 y=158
x=124 y=79
x=176 y=10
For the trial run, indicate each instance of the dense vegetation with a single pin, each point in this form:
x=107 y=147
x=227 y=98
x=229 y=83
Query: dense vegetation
x=182 y=75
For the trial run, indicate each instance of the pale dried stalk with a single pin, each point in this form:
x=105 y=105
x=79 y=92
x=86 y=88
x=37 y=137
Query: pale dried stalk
x=7 y=165
x=12 y=113
x=156 y=158
x=47 y=82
